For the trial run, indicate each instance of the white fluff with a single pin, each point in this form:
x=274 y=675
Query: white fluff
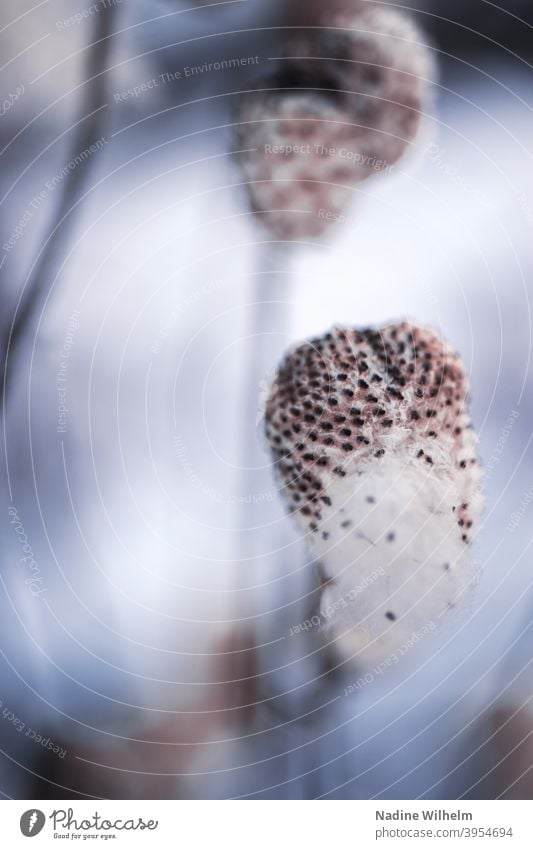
x=404 y=528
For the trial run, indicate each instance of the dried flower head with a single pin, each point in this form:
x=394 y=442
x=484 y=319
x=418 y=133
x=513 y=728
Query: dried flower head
x=289 y=172
x=311 y=12
x=347 y=102
x=375 y=457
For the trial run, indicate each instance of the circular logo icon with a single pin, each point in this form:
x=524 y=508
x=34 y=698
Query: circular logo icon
x=32 y=822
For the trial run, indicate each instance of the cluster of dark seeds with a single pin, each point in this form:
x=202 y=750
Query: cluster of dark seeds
x=338 y=399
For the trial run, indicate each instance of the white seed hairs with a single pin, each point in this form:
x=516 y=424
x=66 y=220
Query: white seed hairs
x=347 y=103
x=375 y=457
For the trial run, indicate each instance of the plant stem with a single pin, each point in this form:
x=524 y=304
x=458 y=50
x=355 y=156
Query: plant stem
x=48 y=261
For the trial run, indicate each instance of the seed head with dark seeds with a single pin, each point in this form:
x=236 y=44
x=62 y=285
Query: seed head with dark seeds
x=375 y=457
x=346 y=103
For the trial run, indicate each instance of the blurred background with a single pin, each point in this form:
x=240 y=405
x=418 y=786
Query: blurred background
x=150 y=581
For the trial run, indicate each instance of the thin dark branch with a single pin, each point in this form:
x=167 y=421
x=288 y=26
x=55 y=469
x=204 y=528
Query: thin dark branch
x=91 y=126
